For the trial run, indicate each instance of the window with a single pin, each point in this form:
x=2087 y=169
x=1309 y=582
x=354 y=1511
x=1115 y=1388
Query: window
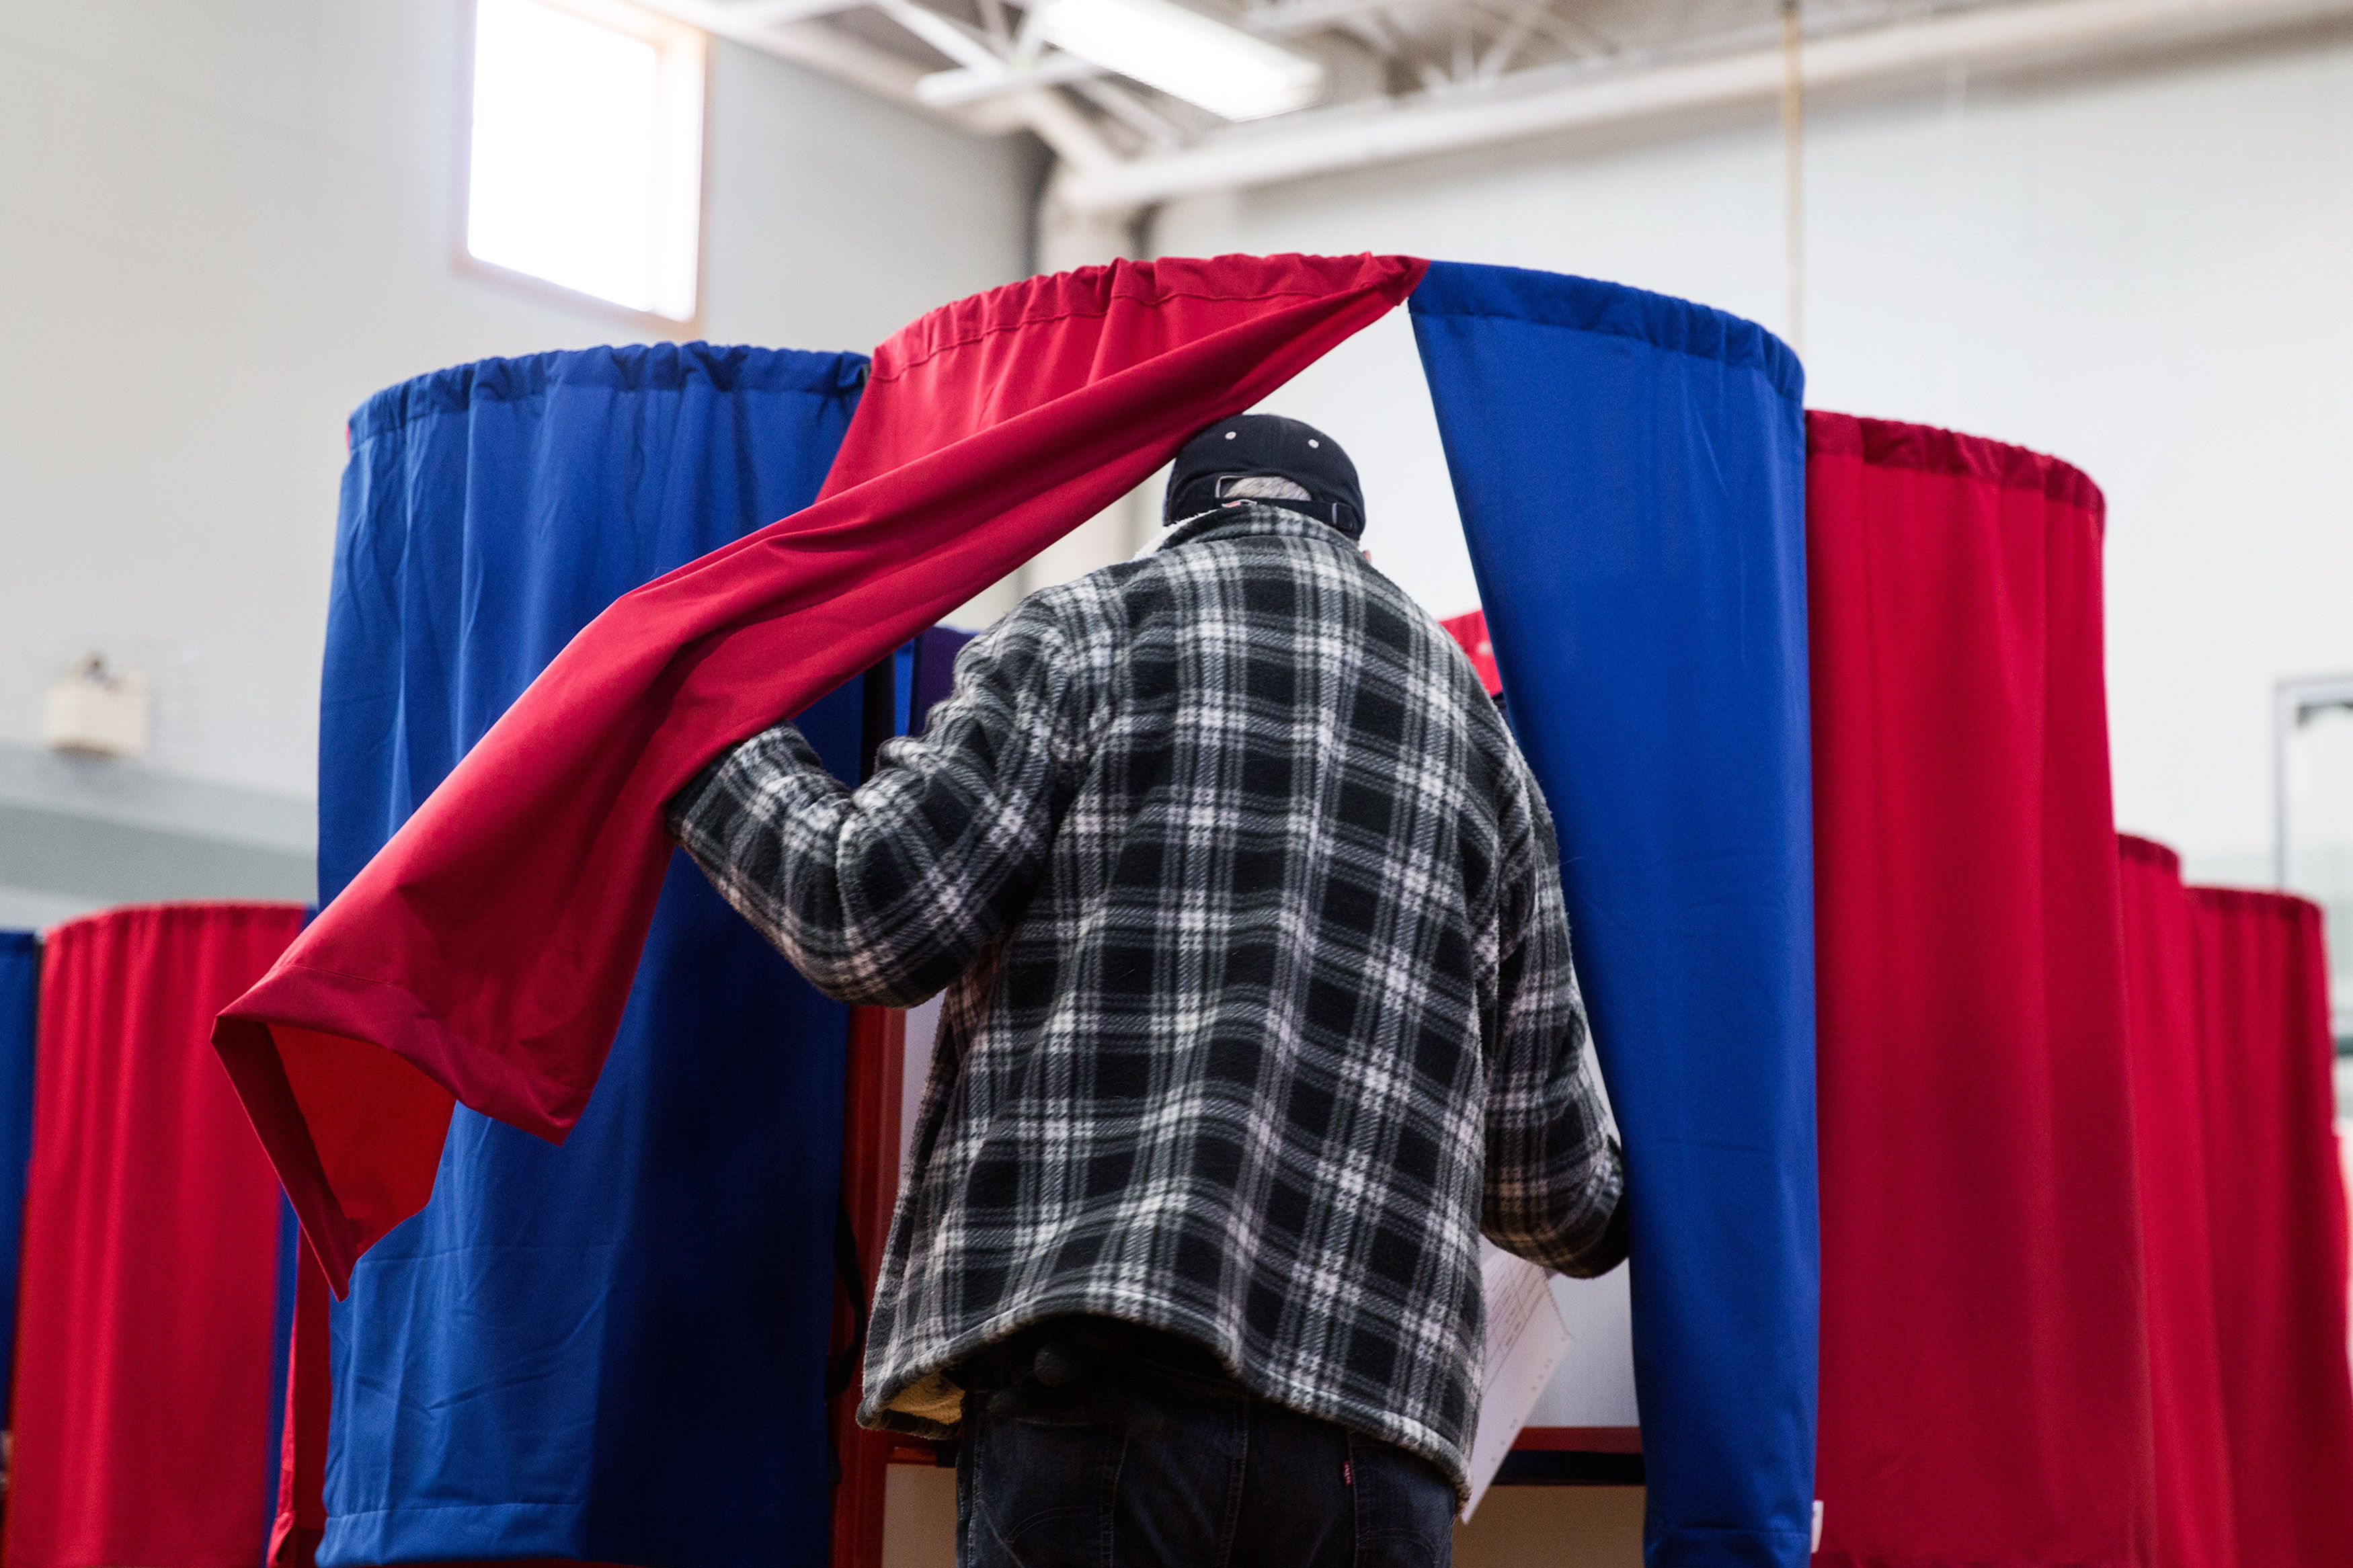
x=2314 y=765
x=585 y=164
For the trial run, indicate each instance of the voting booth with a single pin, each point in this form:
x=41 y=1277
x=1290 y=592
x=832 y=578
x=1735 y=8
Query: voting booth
x=1687 y=856
x=585 y=1189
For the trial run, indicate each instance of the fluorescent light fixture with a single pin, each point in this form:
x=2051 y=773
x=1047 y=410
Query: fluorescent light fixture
x=1185 y=55
x=587 y=163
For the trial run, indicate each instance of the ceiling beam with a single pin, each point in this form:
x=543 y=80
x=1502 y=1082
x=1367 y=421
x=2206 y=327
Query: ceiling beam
x=972 y=84
x=807 y=43
x=751 y=13
x=839 y=54
x=1077 y=143
x=1537 y=103
x=1284 y=17
x=968 y=49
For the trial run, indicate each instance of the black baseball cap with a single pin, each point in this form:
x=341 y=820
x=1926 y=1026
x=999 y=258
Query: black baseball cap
x=1267 y=444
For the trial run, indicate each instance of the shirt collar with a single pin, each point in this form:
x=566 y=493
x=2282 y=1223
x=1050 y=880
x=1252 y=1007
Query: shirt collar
x=1230 y=521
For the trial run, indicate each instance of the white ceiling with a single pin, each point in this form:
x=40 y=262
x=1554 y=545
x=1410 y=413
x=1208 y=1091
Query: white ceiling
x=1409 y=76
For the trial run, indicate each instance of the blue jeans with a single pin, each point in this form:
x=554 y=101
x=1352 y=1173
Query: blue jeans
x=1167 y=1467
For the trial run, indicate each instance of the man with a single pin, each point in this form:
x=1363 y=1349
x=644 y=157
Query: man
x=1259 y=1011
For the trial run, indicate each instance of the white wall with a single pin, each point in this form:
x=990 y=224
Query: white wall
x=223 y=224
x=2147 y=272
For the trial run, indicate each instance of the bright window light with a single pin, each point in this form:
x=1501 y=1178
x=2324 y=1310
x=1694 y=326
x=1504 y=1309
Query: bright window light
x=586 y=167
x=1185 y=55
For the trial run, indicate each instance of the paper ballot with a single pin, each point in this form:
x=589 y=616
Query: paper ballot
x=1525 y=1339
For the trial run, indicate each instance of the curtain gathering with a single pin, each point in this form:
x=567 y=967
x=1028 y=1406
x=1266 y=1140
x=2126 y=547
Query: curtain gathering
x=2279 y=1225
x=150 y=1247
x=2190 y=1451
x=1984 y=1397
x=571 y=1349
x=1646 y=607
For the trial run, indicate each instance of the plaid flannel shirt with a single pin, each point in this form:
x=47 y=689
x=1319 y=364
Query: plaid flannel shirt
x=1259 y=1000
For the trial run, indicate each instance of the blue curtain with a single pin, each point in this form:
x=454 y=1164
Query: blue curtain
x=1630 y=473
x=933 y=672
x=20 y=987
x=615 y=1349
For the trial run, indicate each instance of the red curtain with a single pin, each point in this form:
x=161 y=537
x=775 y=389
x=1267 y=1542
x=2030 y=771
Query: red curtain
x=488 y=949
x=1984 y=1393
x=2177 y=1169
x=1469 y=630
x=2278 y=1216
x=301 y=1518
x=141 y=1408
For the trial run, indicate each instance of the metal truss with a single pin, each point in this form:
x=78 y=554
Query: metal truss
x=1409 y=78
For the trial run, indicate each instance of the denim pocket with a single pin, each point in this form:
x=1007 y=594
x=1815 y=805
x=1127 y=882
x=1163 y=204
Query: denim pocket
x=1405 y=1508
x=1041 y=1491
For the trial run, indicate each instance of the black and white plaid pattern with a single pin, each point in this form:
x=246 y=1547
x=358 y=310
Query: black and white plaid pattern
x=1260 y=1007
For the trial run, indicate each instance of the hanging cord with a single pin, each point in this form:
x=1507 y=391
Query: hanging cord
x=1793 y=167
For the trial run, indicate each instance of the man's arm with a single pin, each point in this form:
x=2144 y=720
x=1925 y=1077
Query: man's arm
x=1555 y=1180
x=883 y=895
